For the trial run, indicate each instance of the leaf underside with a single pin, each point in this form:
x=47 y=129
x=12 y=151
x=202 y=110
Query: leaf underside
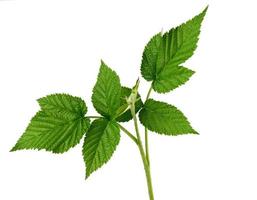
x=165 y=119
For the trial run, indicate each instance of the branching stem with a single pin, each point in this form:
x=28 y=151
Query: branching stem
x=138 y=141
x=143 y=156
x=94 y=117
x=128 y=133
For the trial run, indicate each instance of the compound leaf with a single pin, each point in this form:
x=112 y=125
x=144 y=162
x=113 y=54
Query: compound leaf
x=100 y=143
x=165 y=119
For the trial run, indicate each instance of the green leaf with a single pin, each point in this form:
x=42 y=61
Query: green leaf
x=63 y=104
x=171 y=78
x=107 y=91
x=150 y=55
x=180 y=43
x=169 y=51
x=58 y=127
x=126 y=116
x=100 y=142
x=164 y=119
x=53 y=132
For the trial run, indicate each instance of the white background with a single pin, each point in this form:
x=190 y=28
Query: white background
x=56 y=45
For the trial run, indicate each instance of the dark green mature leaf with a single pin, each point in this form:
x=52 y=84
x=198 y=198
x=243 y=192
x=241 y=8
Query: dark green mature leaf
x=169 y=51
x=107 y=91
x=164 y=119
x=52 y=132
x=126 y=116
x=101 y=141
x=68 y=106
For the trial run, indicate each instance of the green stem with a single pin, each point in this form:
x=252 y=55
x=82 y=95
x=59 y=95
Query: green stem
x=142 y=153
x=94 y=117
x=149 y=92
x=128 y=133
x=146 y=132
x=147 y=147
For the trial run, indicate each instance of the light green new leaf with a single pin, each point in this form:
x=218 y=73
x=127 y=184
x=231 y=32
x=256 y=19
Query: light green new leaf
x=52 y=132
x=126 y=116
x=164 y=119
x=63 y=104
x=169 y=51
x=171 y=78
x=107 y=91
x=100 y=142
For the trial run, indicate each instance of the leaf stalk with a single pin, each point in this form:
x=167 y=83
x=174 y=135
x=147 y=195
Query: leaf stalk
x=146 y=130
x=128 y=133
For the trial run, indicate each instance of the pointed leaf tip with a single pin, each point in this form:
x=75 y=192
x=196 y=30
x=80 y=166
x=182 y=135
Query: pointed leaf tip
x=173 y=121
x=164 y=54
x=106 y=92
